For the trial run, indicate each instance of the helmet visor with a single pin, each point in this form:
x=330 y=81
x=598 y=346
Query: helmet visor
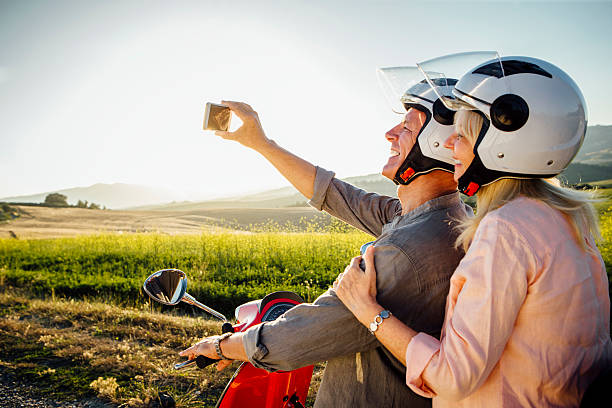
x=398 y=85
x=440 y=72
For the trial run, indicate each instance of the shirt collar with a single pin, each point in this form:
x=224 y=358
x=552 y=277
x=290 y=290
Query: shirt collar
x=445 y=201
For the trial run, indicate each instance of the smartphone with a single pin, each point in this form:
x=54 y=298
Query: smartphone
x=217 y=117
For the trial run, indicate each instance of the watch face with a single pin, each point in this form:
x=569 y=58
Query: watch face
x=373 y=327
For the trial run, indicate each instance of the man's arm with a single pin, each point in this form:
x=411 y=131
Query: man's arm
x=310 y=333
x=361 y=209
x=307 y=333
x=314 y=332
x=366 y=211
x=296 y=170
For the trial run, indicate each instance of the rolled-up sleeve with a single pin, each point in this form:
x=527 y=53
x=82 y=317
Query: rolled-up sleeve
x=359 y=208
x=487 y=291
x=322 y=180
x=420 y=351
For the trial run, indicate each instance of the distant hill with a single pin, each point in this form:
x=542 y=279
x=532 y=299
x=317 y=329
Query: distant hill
x=592 y=163
x=597 y=146
x=277 y=198
x=115 y=196
x=586 y=173
x=289 y=197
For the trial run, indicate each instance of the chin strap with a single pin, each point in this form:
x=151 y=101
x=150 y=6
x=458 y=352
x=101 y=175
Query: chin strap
x=416 y=164
x=476 y=176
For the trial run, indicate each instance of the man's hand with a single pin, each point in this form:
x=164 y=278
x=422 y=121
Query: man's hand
x=250 y=134
x=205 y=348
x=357 y=289
x=298 y=171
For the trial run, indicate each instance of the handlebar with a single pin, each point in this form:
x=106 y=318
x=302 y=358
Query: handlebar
x=203 y=362
x=200 y=361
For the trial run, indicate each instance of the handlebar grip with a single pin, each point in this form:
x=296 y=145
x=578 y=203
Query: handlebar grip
x=203 y=362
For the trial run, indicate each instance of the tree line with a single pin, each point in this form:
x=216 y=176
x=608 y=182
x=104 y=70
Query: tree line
x=60 y=200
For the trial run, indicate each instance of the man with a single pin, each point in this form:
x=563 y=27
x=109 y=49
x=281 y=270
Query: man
x=415 y=257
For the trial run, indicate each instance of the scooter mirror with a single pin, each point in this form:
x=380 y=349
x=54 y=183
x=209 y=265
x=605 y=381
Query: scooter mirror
x=167 y=286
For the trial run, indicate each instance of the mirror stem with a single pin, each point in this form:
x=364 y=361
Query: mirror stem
x=192 y=301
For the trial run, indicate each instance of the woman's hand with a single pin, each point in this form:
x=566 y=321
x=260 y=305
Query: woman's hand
x=250 y=134
x=205 y=348
x=357 y=289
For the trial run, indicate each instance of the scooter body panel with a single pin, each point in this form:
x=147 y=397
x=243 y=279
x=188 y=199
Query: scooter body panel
x=254 y=387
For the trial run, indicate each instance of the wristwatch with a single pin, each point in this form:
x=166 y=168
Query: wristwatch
x=217 y=343
x=378 y=320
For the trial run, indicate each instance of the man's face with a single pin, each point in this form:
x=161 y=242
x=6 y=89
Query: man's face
x=402 y=137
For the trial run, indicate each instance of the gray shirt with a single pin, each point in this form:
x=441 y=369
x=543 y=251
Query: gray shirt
x=415 y=258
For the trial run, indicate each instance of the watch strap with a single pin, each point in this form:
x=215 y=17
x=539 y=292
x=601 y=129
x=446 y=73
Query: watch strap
x=217 y=344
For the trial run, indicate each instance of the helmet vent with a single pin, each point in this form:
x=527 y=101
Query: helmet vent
x=511 y=67
x=436 y=144
x=509 y=112
x=500 y=155
x=550 y=162
x=441 y=81
x=442 y=114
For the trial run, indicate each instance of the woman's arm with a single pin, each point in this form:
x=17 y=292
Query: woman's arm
x=487 y=292
x=357 y=290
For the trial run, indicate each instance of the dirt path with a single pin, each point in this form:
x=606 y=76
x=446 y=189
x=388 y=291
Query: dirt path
x=16 y=395
x=45 y=222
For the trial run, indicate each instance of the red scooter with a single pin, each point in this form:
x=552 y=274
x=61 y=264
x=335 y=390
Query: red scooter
x=249 y=386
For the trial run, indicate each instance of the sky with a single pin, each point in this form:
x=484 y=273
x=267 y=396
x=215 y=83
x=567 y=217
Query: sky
x=114 y=91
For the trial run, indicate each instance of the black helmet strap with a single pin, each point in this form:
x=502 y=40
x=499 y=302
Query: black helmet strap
x=415 y=163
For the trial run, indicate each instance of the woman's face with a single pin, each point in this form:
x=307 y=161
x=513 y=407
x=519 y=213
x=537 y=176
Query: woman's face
x=463 y=153
x=402 y=138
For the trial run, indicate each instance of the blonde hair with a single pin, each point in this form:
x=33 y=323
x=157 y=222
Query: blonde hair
x=575 y=205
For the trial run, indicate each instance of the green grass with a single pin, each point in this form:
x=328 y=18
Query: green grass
x=224 y=269
x=77 y=349
x=605 y=195
x=605 y=247
x=112 y=340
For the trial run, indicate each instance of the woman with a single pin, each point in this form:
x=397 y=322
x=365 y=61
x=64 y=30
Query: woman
x=527 y=315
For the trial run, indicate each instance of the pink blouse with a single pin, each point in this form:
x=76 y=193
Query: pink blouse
x=527 y=317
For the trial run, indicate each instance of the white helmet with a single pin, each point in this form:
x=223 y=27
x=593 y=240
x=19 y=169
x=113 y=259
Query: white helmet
x=535 y=118
x=405 y=89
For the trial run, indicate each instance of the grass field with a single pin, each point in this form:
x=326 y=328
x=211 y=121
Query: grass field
x=109 y=330
x=46 y=222
x=77 y=349
x=225 y=269
x=74 y=321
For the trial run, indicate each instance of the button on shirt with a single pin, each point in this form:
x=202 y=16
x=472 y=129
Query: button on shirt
x=415 y=257
x=527 y=317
